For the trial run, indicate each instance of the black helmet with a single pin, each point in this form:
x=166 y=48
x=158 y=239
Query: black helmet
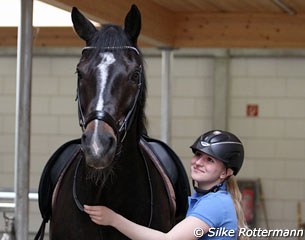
x=221 y=145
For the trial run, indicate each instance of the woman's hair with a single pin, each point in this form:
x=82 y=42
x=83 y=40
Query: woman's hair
x=233 y=189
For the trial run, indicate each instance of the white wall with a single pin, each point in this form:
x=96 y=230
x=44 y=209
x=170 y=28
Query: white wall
x=274 y=141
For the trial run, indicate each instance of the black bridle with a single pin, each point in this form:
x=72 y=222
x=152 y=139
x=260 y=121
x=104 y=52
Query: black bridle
x=119 y=129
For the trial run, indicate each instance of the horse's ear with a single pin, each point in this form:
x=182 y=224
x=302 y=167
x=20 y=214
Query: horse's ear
x=133 y=23
x=82 y=26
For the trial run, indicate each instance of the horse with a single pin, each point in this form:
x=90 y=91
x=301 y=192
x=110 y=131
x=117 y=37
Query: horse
x=109 y=165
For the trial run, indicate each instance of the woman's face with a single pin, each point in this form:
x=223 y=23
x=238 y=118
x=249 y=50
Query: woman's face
x=207 y=171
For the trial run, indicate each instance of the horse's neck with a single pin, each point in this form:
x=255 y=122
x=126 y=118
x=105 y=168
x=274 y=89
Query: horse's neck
x=130 y=144
x=131 y=154
x=132 y=139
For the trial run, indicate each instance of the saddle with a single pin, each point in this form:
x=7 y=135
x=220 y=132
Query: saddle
x=60 y=159
x=164 y=158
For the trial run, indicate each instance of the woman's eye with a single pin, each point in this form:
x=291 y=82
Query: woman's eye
x=198 y=154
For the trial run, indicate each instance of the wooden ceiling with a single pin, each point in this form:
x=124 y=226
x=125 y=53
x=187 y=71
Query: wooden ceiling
x=187 y=23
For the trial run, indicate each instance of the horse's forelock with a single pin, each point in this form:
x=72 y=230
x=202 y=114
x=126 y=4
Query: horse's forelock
x=111 y=36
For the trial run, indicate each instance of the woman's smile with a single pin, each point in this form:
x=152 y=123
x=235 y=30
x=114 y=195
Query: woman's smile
x=198 y=169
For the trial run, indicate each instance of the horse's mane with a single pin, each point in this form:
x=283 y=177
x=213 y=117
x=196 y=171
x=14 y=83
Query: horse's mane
x=111 y=35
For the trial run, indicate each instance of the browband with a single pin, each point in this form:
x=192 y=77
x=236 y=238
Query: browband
x=111 y=48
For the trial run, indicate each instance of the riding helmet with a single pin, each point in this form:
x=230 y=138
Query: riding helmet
x=223 y=146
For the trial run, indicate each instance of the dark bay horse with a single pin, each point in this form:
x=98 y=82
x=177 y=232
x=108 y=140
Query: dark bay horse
x=110 y=167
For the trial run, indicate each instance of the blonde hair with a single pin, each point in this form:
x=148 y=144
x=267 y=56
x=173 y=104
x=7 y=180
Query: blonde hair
x=233 y=189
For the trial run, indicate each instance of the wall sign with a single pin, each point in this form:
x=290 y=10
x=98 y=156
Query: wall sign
x=252 y=110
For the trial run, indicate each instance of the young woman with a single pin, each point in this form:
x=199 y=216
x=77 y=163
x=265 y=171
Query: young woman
x=215 y=207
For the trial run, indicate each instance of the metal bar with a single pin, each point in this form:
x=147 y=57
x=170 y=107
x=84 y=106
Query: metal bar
x=23 y=120
x=220 y=99
x=7 y=207
x=284 y=7
x=167 y=56
x=12 y=195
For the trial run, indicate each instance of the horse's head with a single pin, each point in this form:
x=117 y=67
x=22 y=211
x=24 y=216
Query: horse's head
x=110 y=85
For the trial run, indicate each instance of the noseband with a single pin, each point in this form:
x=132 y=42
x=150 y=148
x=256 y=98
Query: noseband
x=120 y=130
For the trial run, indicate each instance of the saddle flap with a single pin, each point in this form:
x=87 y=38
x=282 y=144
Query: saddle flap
x=166 y=161
x=51 y=172
x=175 y=171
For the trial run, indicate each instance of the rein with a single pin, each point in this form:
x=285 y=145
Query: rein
x=120 y=131
x=80 y=206
x=77 y=202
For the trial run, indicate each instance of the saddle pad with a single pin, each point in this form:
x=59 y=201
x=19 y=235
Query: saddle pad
x=63 y=156
x=49 y=177
x=175 y=171
x=51 y=173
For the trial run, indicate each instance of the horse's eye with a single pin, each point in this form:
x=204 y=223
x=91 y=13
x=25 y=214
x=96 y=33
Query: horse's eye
x=135 y=76
x=79 y=74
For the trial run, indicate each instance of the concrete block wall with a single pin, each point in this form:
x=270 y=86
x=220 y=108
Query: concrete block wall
x=7 y=119
x=53 y=120
x=274 y=141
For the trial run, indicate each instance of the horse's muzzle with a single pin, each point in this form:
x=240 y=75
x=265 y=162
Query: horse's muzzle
x=99 y=144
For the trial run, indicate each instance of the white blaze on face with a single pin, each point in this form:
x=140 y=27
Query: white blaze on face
x=107 y=60
x=103 y=68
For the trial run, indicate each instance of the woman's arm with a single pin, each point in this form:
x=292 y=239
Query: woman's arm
x=184 y=230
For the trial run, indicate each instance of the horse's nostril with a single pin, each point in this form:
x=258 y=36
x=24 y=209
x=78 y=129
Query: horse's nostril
x=108 y=142
x=111 y=140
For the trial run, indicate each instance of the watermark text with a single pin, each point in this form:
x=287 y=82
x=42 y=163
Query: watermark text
x=246 y=232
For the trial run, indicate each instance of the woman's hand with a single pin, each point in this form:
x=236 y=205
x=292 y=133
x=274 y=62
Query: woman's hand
x=184 y=230
x=100 y=215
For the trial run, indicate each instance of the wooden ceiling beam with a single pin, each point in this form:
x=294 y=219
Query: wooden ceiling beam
x=157 y=22
x=240 y=31
x=48 y=37
x=42 y=37
x=195 y=31
x=8 y=36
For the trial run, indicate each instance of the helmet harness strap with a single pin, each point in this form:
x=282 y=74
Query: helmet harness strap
x=212 y=189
